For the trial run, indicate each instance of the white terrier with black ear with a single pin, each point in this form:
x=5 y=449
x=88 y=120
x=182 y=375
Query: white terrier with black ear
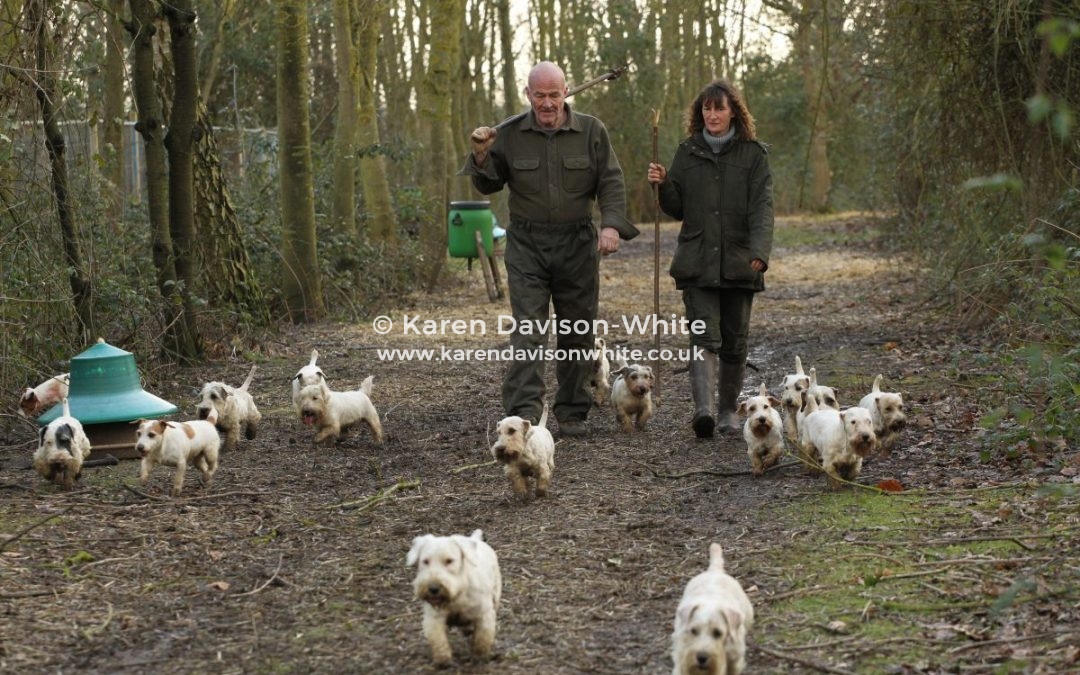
x=762 y=430
x=308 y=375
x=62 y=447
x=459 y=582
x=711 y=623
x=887 y=411
x=792 y=391
x=177 y=444
x=631 y=395
x=235 y=409
x=334 y=412
x=825 y=396
x=44 y=396
x=528 y=451
x=601 y=374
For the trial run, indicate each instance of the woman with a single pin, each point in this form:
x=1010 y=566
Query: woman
x=720 y=187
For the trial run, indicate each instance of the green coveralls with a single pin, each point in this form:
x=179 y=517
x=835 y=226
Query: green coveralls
x=551 y=247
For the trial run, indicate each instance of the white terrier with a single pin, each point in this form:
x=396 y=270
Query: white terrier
x=176 y=444
x=62 y=447
x=762 y=430
x=308 y=375
x=825 y=396
x=235 y=409
x=631 y=395
x=333 y=412
x=711 y=623
x=841 y=438
x=458 y=580
x=527 y=451
x=792 y=391
x=599 y=380
x=887 y=411
x=44 y=396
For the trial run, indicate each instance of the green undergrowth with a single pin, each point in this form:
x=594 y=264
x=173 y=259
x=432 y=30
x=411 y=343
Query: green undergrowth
x=869 y=582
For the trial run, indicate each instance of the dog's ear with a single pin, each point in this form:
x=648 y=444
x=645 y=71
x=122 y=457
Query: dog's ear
x=741 y=410
x=687 y=613
x=414 y=553
x=526 y=427
x=774 y=402
x=734 y=619
x=41 y=435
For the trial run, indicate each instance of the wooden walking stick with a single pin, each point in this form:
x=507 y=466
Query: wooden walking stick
x=656 y=261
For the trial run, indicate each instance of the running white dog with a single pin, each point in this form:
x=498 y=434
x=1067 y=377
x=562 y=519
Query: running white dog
x=887 y=411
x=459 y=582
x=44 y=396
x=62 y=447
x=176 y=444
x=841 y=439
x=792 y=391
x=762 y=430
x=599 y=380
x=334 y=412
x=308 y=375
x=235 y=409
x=711 y=623
x=527 y=451
x=631 y=395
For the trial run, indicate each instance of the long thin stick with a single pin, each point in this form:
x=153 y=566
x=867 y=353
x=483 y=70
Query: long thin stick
x=656 y=260
x=18 y=535
x=609 y=75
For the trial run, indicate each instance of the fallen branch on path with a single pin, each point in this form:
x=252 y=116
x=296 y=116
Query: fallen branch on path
x=801 y=661
x=712 y=472
x=267 y=582
x=20 y=534
x=361 y=505
x=472 y=466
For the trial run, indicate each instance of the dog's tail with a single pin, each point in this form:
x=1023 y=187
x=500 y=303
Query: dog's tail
x=716 y=557
x=543 y=418
x=798 y=365
x=67 y=408
x=314 y=357
x=877 y=384
x=365 y=386
x=250 y=377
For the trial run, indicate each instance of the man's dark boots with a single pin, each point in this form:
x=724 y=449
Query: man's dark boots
x=702 y=386
x=731 y=381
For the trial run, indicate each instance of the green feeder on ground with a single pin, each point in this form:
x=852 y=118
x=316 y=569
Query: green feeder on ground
x=105 y=394
x=466 y=219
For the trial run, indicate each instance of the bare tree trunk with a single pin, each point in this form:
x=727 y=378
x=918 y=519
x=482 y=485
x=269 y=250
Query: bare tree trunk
x=434 y=107
x=343 y=215
x=811 y=51
x=81 y=288
x=179 y=142
x=216 y=40
x=301 y=283
x=378 y=203
x=113 y=109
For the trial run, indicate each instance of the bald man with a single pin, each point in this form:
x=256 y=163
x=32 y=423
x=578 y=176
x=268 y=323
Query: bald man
x=557 y=164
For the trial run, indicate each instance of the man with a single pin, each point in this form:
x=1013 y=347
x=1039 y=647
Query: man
x=556 y=162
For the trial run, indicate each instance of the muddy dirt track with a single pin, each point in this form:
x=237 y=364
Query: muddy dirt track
x=294 y=560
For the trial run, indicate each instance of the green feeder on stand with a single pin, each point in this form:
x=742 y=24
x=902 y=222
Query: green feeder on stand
x=105 y=394
x=466 y=219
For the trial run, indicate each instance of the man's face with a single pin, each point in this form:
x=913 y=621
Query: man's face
x=547 y=94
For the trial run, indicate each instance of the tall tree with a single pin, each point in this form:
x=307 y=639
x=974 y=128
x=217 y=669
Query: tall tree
x=301 y=284
x=113 y=109
x=434 y=107
x=38 y=14
x=343 y=215
x=375 y=188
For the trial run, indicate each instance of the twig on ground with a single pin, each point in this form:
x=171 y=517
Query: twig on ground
x=711 y=472
x=90 y=632
x=801 y=661
x=467 y=467
x=281 y=557
x=31 y=594
x=364 y=504
x=21 y=533
x=144 y=495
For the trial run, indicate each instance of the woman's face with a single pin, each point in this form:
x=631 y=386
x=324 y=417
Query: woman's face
x=717 y=116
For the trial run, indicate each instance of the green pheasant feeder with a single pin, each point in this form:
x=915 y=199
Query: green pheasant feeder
x=106 y=395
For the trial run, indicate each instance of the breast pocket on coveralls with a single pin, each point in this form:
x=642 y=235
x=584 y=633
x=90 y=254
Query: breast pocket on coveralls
x=526 y=175
x=577 y=174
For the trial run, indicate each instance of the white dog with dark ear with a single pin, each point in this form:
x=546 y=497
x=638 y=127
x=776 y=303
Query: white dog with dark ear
x=459 y=582
x=62 y=447
x=887 y=411
x=176 y=444
x=235 y=409
x=44 y=396
x=711 y=623
x=306 y=376
x=526 y=451
x=631 y=395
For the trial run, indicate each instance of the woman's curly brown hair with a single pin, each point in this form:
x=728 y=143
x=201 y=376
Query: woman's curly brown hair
x=714 y=92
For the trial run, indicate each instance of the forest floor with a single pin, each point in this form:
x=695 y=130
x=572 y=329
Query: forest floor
x=293 y=561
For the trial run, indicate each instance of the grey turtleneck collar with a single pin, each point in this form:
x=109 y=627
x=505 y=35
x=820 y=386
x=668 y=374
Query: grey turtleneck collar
x=716 y=143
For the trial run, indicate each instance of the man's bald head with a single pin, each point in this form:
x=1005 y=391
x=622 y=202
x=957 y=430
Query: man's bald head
x=546 y=92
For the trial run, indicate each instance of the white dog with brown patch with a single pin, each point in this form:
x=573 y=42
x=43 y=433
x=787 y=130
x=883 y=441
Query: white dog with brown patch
x=631 y=395
x=334 y=412
x=711 y=623
x=235 y=409
x=177 y=444
x=62 y=448
x=526 y=450
x=887 y=411
x=45 y=395
x=762 y=430
x=459 y=582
